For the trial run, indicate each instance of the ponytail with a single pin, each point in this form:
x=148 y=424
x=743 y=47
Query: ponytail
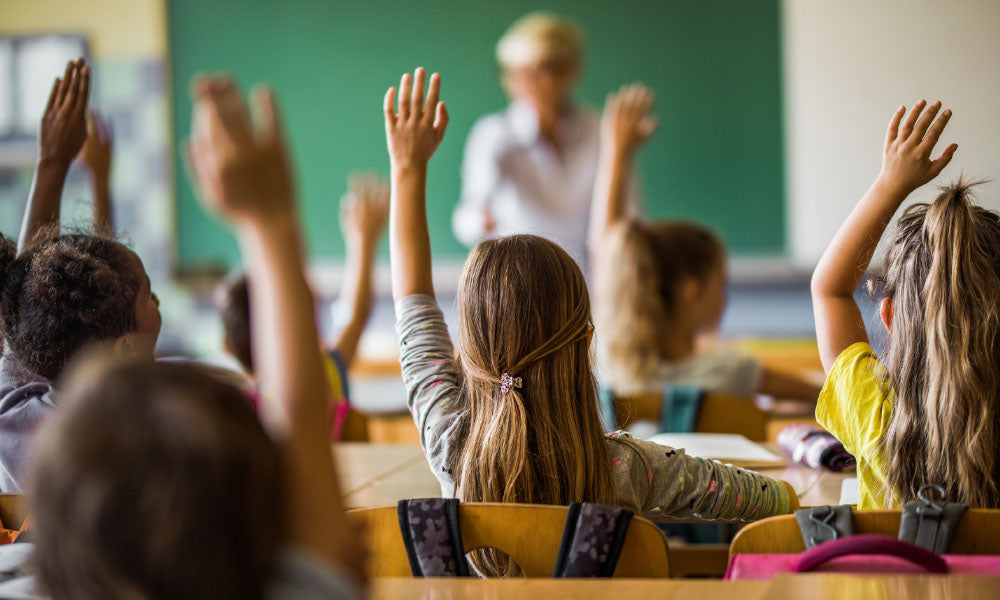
x=943 y=275
x=638 y=274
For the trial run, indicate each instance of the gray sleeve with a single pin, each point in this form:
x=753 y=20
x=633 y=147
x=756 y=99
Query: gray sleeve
x=684 y=486
x=431 y=378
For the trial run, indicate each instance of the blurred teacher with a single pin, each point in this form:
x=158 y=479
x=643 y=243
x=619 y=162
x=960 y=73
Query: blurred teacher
x=530 y=168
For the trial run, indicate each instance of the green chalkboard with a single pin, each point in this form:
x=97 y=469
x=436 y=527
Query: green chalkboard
x=715 y=66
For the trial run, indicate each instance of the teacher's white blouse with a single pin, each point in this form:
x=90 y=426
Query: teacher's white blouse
x=528 y=186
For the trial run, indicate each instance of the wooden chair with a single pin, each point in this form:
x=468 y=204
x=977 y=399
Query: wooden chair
x=12 y=510
x=719 y=413
x=978 y=532
x=529 y=533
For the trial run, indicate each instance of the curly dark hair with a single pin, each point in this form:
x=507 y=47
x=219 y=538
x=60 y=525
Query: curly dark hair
x=62 y=293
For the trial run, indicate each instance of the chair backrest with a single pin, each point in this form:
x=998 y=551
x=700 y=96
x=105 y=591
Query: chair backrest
x=978 y=532
x=528 y=533
x=719 y=413
x=12 y=508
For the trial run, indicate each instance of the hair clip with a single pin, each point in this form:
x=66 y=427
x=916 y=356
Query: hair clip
x=507 y=382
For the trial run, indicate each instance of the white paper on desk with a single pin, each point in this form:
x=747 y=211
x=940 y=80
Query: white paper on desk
x=719 y=446
x=849 y=491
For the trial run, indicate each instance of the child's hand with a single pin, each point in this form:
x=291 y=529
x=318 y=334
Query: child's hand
x=906 y=160
x=64 y=127
x=240 y=167
x=364 y=209
x=626 y=123
x=96 y=151
x=414 y=132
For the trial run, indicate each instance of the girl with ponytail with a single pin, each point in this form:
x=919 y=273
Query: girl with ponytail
x=514 y=418
x=928 y=413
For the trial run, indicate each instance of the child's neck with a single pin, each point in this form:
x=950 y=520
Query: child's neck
x=680 y=345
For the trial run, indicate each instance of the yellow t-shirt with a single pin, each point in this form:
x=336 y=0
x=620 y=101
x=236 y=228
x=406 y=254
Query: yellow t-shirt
x=855 y=408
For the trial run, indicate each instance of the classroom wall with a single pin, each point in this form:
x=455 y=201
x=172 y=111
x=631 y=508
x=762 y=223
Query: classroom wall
x=127 y=43
x=847 y=66
x=115 y=28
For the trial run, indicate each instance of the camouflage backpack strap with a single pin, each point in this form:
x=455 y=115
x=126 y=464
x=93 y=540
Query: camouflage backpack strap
x=432 y=537
x=592 y=540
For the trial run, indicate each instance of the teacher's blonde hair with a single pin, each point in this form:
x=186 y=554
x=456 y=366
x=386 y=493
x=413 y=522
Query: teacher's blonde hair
x=541 y=36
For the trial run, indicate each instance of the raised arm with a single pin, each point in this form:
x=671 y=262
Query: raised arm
x=60 y=137
x=96 y=158
x=243 y=174
x=906 y=165
x=625 y=125
x=363 y=212
x=413 y=133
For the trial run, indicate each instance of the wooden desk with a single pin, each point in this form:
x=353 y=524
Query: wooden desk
x=786 y=587
x=560 y=589
x=875 y=587
x=383 y=474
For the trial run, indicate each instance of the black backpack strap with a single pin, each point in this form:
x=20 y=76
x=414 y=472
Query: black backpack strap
x=824 y=523
x=931 y=524
x=432 y=537
x=592 y=540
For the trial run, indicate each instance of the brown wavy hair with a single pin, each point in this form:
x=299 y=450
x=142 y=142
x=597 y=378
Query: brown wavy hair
x=154 y=481
x=942 y=272
x=638 y=274
x=524 y=310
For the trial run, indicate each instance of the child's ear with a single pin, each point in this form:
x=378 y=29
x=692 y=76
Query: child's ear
x=124 y=347
x=690 y=291
x=590 y=333
x=885 y=311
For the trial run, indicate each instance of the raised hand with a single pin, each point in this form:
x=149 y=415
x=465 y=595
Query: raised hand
x=239 y=165
x=906 y=159
x=95 y=154
x=364 y=210
x=64 y=128
x=414 y=131
x=626 y=123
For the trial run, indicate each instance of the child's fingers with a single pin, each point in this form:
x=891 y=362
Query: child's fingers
x=925 y=121
x=647 y=126
x=893 y=131
x=404 y=97
x=440 y=120
x=938 y=164
x=56 y=85
x=911 y=119
x=268 y=116
x=935 y=131
x=433 y=94
x=72 y=87
x=389 y=107
x=417 y=101
x=231 y=114
x=80 y=105
x=64 y=88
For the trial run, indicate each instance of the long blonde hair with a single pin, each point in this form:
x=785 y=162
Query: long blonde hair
x=638 y=273
x=524 y=310
x=943 y=353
